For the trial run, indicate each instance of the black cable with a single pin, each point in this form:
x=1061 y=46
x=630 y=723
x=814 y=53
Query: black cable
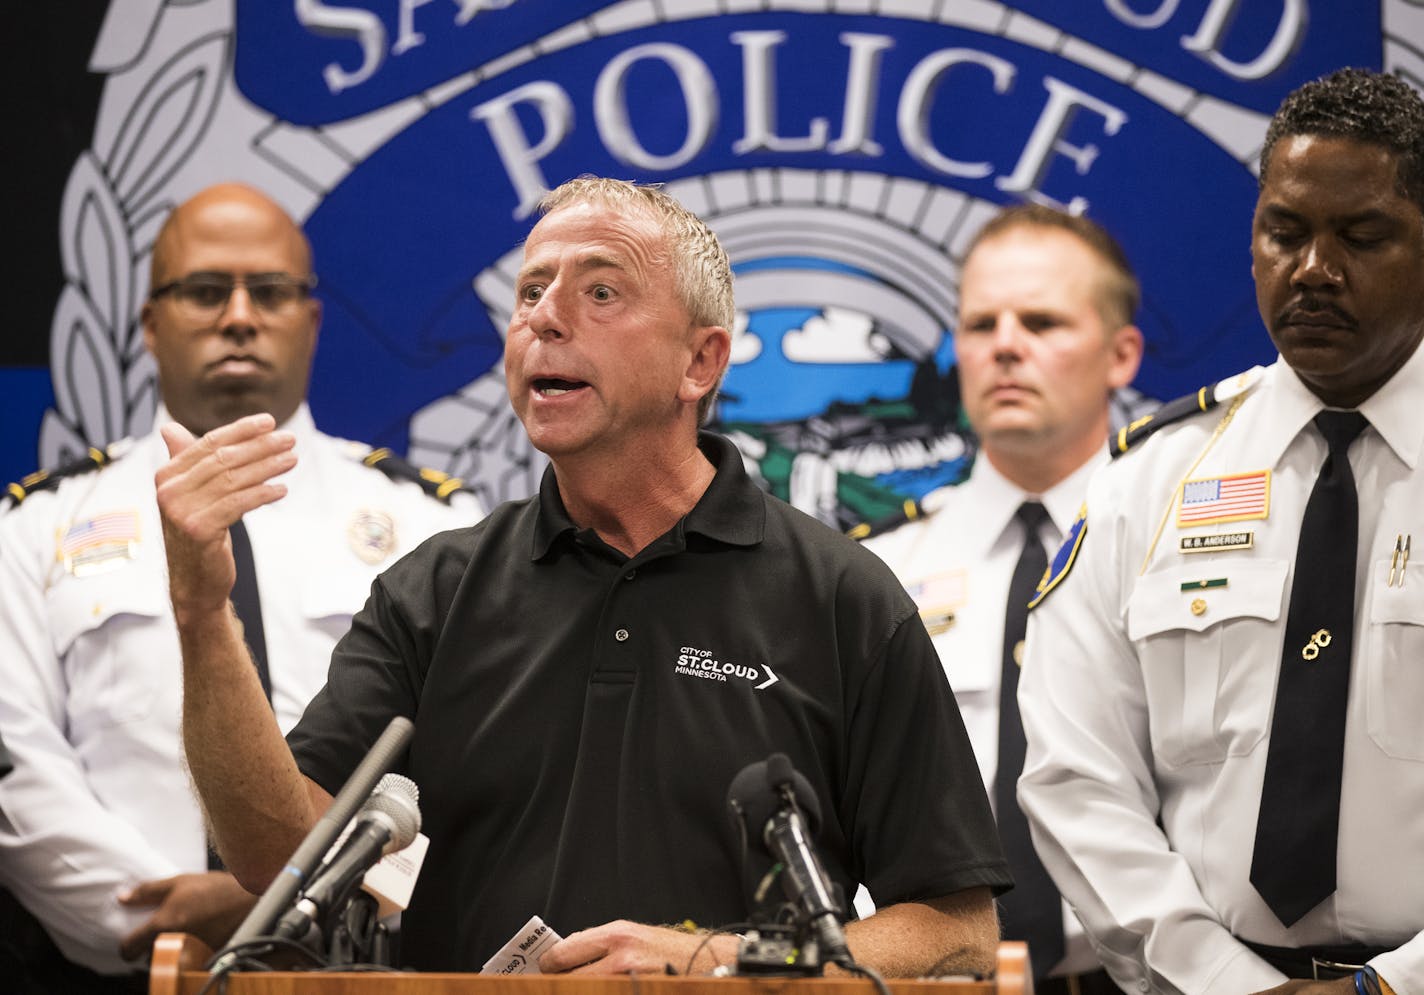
x=865 y=972
x=742 y=863
x=263 y=945
x=220 y=978
x=733 y=929
x=245 y=956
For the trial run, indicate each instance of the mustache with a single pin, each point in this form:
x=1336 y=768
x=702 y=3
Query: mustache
x=1310 y=308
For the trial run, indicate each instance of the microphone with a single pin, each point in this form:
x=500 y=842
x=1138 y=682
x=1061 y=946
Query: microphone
x=778 y=805
x=288 y=882
x=388 y=822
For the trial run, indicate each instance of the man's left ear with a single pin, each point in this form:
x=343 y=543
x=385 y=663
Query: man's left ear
x=711 y=348
x=1127 y=346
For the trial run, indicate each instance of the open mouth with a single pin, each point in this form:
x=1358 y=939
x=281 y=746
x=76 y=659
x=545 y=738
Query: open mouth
x=552 y=387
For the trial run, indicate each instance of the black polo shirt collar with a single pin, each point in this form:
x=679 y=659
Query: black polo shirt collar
x=731 y=511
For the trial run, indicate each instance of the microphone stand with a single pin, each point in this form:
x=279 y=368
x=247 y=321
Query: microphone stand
x=255 y=930
x=776 y=947
x=357 y=935
x=799 y=937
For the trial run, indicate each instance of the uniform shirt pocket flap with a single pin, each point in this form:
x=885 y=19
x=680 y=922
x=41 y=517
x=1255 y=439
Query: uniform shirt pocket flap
x=1396 y=604
x=1195 y=597
x=336 y=593
x=968 y=665
x=83 y=604
x=970 y=674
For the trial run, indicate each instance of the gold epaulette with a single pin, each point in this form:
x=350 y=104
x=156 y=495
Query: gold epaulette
x=910 y=511
x=1183 y=407
x=47 y=480
x=437 y=484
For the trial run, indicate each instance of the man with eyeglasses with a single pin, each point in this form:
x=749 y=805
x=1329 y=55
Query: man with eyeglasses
x=100 y=837
x=206 y=295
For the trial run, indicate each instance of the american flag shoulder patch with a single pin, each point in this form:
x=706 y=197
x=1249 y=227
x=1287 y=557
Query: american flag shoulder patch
x=1238 y=497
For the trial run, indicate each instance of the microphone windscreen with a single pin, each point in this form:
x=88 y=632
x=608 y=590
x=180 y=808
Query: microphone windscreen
x=397 y=797
x=755 y=794
x=399 y=783
x=779 y=770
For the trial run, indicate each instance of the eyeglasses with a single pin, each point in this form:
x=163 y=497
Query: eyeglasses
x=204 y=296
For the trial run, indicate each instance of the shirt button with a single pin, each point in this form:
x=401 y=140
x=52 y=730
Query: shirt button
x=630 y=575
x=621 y=635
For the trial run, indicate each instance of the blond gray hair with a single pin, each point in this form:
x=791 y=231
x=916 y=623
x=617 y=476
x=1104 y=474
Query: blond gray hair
x=702 y=273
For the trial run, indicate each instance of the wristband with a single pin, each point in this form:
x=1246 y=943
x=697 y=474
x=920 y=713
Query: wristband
x=1374 y=984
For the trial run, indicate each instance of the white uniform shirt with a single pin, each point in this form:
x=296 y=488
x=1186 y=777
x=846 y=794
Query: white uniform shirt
x=90 y=678
x=1139 y=705
x=956 y=563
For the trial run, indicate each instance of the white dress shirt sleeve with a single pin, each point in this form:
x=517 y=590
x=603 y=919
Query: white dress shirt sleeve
x=1403 y=967
x=63 y=854
x=1088 y=787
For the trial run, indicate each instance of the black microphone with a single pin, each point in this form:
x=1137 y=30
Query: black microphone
x=284 y=887
x=778 y=806
x=387 y=822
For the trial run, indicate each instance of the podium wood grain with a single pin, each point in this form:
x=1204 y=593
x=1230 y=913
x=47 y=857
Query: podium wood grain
x=178 y=970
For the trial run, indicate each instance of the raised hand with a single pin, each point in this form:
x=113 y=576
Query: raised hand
x=206 y=486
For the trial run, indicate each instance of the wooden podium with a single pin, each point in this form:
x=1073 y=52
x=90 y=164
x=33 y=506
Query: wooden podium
x=178 y=970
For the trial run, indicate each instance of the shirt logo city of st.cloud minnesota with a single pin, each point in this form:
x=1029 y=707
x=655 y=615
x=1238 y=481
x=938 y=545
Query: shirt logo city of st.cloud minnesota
x=693 y=662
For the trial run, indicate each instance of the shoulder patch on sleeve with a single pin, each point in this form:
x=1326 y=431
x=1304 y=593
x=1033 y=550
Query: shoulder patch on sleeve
x=910 y=511
x=1183 y=407
x=1064 y=559
x=48 y=480
x=437 y=484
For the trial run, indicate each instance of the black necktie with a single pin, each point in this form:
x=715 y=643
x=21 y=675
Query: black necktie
x=1032 y=911
x=1293 y=865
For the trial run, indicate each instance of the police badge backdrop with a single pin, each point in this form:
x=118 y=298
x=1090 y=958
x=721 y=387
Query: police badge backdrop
x=844 y=151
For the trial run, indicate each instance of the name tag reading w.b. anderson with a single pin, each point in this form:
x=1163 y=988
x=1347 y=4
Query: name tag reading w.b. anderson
x=1219 y=542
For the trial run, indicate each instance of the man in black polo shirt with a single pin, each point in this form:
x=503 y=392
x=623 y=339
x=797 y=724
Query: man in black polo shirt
x=588 y=669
